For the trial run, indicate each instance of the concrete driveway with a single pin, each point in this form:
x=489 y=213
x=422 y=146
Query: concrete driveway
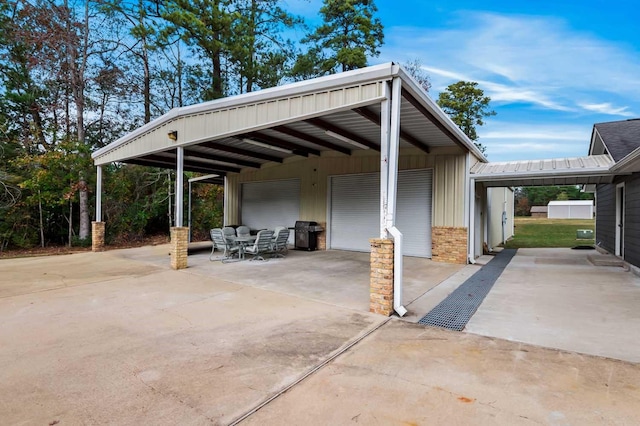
x=556 y=298
x=119 y=338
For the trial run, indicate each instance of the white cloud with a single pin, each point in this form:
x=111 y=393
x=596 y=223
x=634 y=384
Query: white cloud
x=523 y=59
x=608 y=108
x=507 y=141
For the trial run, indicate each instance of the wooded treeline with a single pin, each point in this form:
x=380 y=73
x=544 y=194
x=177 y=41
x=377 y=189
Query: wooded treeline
x=76 y=76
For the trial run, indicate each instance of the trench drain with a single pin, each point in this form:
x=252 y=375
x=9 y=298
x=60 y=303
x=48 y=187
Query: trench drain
x=455 y=311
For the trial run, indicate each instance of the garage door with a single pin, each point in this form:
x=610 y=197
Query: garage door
x=270 y=204
x=355 y=211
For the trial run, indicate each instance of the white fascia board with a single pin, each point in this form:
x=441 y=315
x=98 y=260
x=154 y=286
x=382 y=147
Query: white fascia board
x=362 y=75
x=592 y=144
x=492 y=177
x=630 y=163
x=412 y=86
x=196 y=179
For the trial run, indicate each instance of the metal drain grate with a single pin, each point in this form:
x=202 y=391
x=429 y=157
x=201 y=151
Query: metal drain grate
x=456 y=310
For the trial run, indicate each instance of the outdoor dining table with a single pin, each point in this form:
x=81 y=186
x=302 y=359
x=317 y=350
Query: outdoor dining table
x=243 y=242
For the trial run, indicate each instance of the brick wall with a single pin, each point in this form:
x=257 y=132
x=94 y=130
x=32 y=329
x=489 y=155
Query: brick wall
x=381 y=278
x=179 y=247
x=97 y=236
x=449 y=244
x=322 y=236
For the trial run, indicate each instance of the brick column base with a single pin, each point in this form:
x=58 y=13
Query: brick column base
x=179 y=247
x=97 y=236
x=381 y=278
x=322 y=236
x=449 y=244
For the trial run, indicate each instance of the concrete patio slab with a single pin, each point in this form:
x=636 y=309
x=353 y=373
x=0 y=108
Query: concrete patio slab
x=339 y=278
x=163 y=347
x=556 y=298
x=407 y=374
x=184 y=347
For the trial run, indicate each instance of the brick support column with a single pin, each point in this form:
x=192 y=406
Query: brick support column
x=179 y=247
x=322 y=236
x=97 y=236
x=381 y=278
x=449 y=244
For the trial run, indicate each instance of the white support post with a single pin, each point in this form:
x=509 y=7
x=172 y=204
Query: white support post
x=179 y=204
x=385 y=123
x=225 y=203
x=99 y=194
x=472 y=220
x=189 y=210
x=394 y=148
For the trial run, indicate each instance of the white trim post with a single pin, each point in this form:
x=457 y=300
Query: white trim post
x=394 y=148
x=99 y=194
x=179 y=203
x=472 y=221
x=385 y=123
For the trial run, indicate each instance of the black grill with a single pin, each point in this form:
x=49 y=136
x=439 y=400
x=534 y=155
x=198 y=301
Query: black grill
x=307 y=235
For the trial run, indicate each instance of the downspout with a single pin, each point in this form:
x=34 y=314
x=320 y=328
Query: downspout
x=392 y=193
x=397 y=271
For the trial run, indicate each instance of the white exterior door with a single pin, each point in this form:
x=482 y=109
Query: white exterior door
x=355 y=211
x=266 y=205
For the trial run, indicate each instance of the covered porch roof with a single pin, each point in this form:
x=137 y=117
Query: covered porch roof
x=593 y=169
x=341 y=113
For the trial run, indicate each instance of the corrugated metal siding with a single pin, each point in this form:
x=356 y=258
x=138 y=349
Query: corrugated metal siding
x=606 y=217
x=215 y=124
x=448 y=190
x=270 y=204
x=448 y=180
x=632 y=220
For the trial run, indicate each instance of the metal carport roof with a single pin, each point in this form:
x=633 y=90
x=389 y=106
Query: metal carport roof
x=338 y=113
x=593 y=169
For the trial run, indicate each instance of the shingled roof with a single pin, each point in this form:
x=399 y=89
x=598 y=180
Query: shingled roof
x=620 y=137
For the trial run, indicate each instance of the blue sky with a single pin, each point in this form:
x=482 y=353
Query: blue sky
x=552 y=68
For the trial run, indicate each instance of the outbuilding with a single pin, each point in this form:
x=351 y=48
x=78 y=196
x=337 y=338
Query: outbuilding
x=539 y=211
x=570 y=209
x=366 y=154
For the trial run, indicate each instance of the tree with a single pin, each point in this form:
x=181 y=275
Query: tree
x=467 y=106
x=205 y=24
x=350 y=33
x=258 y=53
x=415 y=70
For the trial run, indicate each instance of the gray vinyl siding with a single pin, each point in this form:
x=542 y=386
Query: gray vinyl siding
x=606 y=217
x=632 y=220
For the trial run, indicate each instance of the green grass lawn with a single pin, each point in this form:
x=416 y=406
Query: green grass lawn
x=536 y=232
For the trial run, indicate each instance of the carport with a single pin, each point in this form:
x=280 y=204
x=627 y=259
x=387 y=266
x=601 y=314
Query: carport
x=587 y=170
x=317 y=138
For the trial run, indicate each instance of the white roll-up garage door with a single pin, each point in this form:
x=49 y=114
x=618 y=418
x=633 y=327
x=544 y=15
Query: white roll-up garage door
x=270 y=204
x=355 y=211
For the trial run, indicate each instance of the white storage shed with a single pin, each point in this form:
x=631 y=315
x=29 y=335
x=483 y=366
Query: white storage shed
x=570 y=209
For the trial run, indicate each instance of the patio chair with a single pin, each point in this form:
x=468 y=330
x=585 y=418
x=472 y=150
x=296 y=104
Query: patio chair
x=243 y=231
x=262 y=246
x=279 y=242
x=229 y=231
x=222 y=243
